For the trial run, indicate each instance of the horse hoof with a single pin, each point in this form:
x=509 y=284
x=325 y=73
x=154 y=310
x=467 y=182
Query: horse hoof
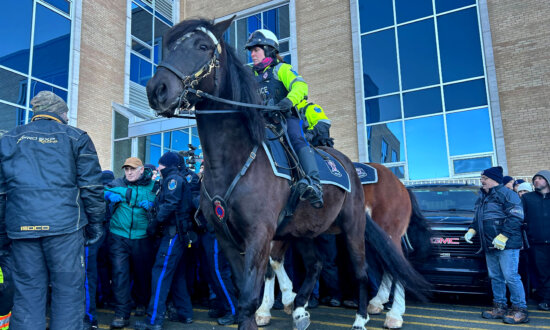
x=355 y=327
x=393 y=323
x=263 y=321
x=289 y=308
x=302 y=323
x=373 y=310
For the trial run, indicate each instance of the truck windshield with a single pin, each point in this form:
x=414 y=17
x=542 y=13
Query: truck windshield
x=451 y=199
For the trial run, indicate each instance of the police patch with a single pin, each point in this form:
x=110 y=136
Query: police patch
x=172 y=184
x=189 y=177
x=317 y=109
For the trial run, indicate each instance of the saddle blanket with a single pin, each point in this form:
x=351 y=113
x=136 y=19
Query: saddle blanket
x=367 y=174
x=330 y=170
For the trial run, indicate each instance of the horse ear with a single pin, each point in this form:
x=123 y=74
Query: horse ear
x=219 y=28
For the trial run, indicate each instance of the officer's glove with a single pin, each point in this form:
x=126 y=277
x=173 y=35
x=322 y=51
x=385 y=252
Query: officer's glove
x=469 y=235
x=112 y=197
x=146 y=204
x=309 y=135
x=285 y=105
x=500 y=242
x=94 y=231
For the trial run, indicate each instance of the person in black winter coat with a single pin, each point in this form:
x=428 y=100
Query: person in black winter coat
x=536 y=206
x=498 y=219
x=50 y=180
x=173 y=207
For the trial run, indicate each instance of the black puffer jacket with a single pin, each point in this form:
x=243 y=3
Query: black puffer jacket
x=51 y=176
x=537 y=214
x=499 y=212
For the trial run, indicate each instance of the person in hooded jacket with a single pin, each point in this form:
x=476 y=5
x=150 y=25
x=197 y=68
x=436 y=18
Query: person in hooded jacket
x=51 y=206
x=536 y=206
x=131 y=250
x=498 y=219
x=173 y=214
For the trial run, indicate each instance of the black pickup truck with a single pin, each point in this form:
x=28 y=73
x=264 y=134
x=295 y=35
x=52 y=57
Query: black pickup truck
x=454 y=265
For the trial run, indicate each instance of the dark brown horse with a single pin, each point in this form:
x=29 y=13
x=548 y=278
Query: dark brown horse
x=240 y=195
x=394 y=208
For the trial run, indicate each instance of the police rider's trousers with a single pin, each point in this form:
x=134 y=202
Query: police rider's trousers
x=169 y=255
x=58 y=260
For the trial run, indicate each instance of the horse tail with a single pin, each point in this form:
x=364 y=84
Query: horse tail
x=419 y=232
x=379 y=244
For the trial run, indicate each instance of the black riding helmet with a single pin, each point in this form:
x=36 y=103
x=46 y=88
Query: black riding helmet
x=265 y=39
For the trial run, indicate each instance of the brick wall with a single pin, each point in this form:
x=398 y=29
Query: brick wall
x=324 y=57
x=101 y=81
x=521 y=37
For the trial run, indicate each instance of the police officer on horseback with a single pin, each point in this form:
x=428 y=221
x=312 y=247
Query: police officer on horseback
x=279 y=84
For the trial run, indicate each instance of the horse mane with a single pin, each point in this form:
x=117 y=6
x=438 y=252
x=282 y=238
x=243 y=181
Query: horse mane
x=237 y=76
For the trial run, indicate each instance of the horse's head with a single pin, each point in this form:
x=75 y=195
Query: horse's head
x=191 y=55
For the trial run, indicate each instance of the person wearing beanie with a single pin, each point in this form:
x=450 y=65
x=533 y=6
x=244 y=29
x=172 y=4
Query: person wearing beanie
x=153 y=169
x=536 y=206
x=508 y=182
x=498 y=219
x=524 y=188
x=131 y=249
x=51 y=206
x=173 y=213
x=517 y=183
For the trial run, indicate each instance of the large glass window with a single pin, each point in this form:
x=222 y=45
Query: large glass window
x=22 y=77
x=424 y=87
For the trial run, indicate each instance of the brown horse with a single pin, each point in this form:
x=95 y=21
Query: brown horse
x=394 y=208
x=240 y=196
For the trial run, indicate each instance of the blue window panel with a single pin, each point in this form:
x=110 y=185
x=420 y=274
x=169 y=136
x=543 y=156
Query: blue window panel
x=242 y=37
x=418 y=54
x=160 y=31
x=390 y=134
x=142 y=24
x=271 y=21
x=180 y=140
x=472 y=164
x=143 y=4
x=14 y=87
x=383 y=109
x=445 y=5
x=469 y=132
x=426 y=149
x=15 y=34
x=154 y=155
x=287 y=59
x=407 y=10
x=141 y=49
x=460 y=45
x=379 y=63
x=167 y=139
x=375 y=14
x=422 y=102
x=10 y=117
x=254 y=23
x=140 y=70
x=64 y=5
x=155 y=139
x=465 y=95
x=52 y=40
x=284 y=22
x=398 y=171
x=37 y=87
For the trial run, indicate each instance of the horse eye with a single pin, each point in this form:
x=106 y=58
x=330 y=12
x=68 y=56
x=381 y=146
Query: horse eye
x=203 y=47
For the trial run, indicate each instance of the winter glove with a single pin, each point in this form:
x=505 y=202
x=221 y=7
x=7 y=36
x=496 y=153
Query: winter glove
x=500 y=242
x=94 y=231
x=469 y=235
x=146 y=204
x=112 y=197
x=285 y=105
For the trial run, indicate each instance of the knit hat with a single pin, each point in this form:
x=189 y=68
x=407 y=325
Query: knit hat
x=518 y=182
x=48 y=101
x=107 y=176
x=525 y=186
x=507 y=179
x=494 y=173
x=150 y=166
x=170 y=159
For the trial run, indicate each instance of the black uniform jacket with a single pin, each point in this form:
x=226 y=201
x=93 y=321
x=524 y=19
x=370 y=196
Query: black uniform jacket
x=51 y=177
x=173 y=203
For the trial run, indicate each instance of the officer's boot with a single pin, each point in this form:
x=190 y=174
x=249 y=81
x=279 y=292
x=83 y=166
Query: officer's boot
x=310 y=186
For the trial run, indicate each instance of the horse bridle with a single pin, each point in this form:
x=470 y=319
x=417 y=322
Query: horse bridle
x=189 y=83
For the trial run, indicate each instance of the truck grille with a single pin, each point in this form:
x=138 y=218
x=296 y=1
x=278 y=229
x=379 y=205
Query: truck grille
x=451 y=243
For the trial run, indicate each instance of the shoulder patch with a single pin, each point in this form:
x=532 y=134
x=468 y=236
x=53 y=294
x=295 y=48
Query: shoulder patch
x=172 y=184
x=317 y=109
x=189 y=178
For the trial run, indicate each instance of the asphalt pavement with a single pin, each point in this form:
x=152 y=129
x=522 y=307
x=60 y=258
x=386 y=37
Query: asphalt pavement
x=441 y=314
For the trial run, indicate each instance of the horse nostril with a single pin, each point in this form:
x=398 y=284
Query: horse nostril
x=161 y=93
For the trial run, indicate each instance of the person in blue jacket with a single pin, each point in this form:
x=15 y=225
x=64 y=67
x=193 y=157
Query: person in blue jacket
x=52 y=205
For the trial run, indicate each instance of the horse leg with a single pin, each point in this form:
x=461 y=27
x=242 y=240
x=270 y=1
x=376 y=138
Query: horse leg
x=376 y=304
x=394 y=318
x=313 y=264
x=285 y=284
x=263 y=314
